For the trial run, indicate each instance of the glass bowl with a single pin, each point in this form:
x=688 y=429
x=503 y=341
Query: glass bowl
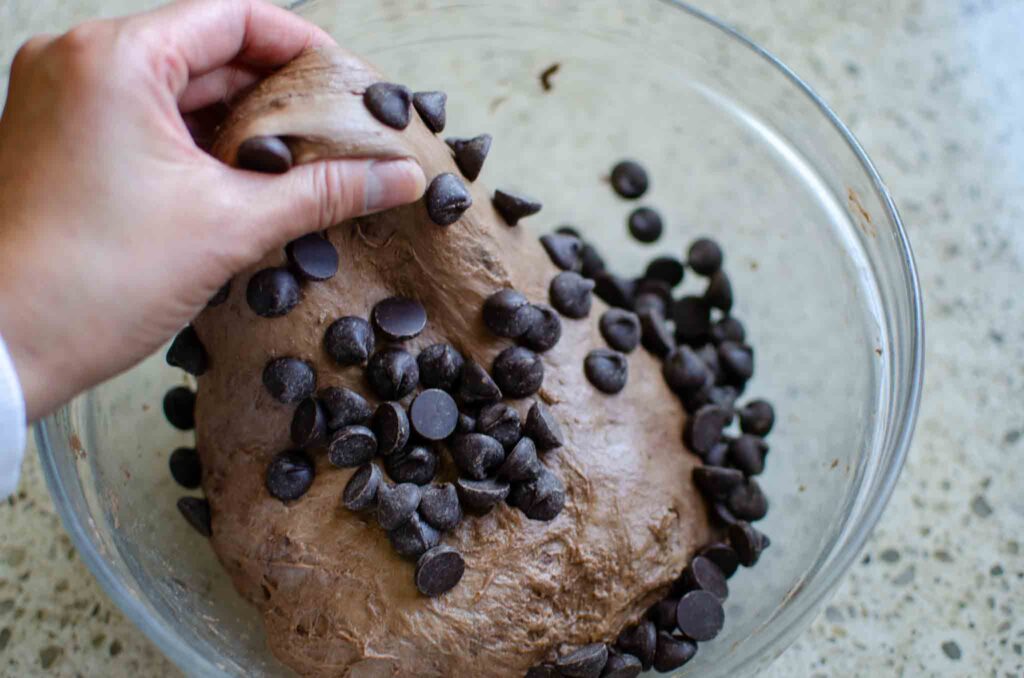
x=737 y=147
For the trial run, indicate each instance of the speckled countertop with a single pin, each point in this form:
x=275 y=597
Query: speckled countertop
x=934 y=89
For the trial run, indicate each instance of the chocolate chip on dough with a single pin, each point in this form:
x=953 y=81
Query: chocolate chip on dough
x=221 y=295
x=477 y=455
x=641 y=641
x=447 y=198
x=518 y=371
x=391 y=426
x=179 y=408
x=565 y=251
x=570 y=294
x=545 y=331
x=399 y=318
x=349 y=341
x=197 y=512
x=507 y=313
x=389 y=103
x=521 y=464
x=723 y=556
x=313 y=257
x=266 y=154
x=413 y=537
x=699 y=615
x=440 y=366
x=476 y=386
x=440 y=506
x=514 y=207
x=704 y=429
x=606 y=370
x=470 y=154
x=186 y=469
x=351 y=446
x=439 y=570
x=542 y=427
x=289 y=380
x=586 y=662
x=272 y=292
x=704 y=575
x=361 y=490
x=481 y=495
x=540 y=499
x=309 y=423
x=416 y=465
x=188 y=353
x=622 y=666
x=392 y=373
x=621 y=329
x=672 y=652
x=290 y=475
x=434 y=414
x=431 y=107
x=501 y=422
x=343 y=407
x=396 y=504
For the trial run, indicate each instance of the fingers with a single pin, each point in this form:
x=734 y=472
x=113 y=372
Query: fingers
x=219 y=85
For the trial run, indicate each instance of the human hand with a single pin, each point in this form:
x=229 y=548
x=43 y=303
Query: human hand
x=115 y=227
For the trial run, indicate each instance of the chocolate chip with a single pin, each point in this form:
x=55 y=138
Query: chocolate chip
x=289 y=475
x=704 y=256
x=439 y=570
x=431 y=107
x=615 y=290
x=622 y=666
x=179 y=408
x=569 y=230
x=564 y=250
x=476 y=386
x=392 y=373
x=747 y=454
x=289 y=380
x=719 y=453
x=699 y=615
x=629 y=179
x=719 y=292
x=747 y=501
x=440 y=366
x=757 y=417
x=621 y=329
x=684 y=371
x=197 y=512
x=540 y=499
x=188 y=353
x=723 y=556
x=399 y=318
x=704 y=575
x=434 y=414
x=351 y=446
x=186 y=468
x=728 y=329
x=724 y=396
x=717 y=482
x=507 y=313
x=672 y=652
x=663 y=614
x=747 y=542
x=344 y=407
x=349 y=341
x=586 y=662
x=655 y=335
x=648 y=301
x=542 y=427
x=705 y=427
x=570 y=294
x=396 y=504
x=649 y=286
x=470 y=154
x=501 y=422
x=481 y=495
x=447 y=199
x=467 y=424
x=518 y=371
x=391 y=426
x=542 y=671
x=645 y=224
x=313 y=257
x=593 y=264
x=709 y=354
x=477 y=455
x=737 y=360
x=413 y=537
x=667 y=269
x=266 y=154
x=309 y=423
x=521 y=464
x=545 y=331
x=606 y=370
x=514 y=207
x=272 y=292
x=416 y=465
x=721 y=515
x=693 y=320
x=440 y=506
x=389 y=103
x=221 y=295
x=640 y=641
x=361 y=490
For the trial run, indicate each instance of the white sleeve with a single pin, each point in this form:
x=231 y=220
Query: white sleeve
x=12 y=424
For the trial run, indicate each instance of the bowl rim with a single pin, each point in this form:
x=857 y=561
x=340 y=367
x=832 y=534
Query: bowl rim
x=189 y=660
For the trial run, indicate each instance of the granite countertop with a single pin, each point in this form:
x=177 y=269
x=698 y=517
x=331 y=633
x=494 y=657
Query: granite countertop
x=934 y=89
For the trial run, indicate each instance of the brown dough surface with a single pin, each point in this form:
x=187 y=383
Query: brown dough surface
x=336 y=599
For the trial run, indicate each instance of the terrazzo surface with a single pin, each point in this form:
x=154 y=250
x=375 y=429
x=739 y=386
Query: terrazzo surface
x=934 y=91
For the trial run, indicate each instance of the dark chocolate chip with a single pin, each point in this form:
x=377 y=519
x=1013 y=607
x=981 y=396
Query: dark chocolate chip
x=349 y=341
x=629 y=179
x=569 y=230
x=640 y=641
x=439 y=570
x=704 y=575
x=659 y=288
x=542 y=671
x=507 y=313
x=391 y=426
x=542 y=427
x=392 y=373
x=717 y=482
x=593 y=263
x=476 y=386
x=540 y=499
x=313 y=257
x=396 y=504
x=447 y=199
x=414 y=537
x=709 y=354
x=622 y=666
x=606 y=370
x=655 y=334
x=221 y=295
x=699 y=615
x=266 y=154
x=361 y=490
x=309 y=423
x=440 y=366
x=289 y=475
x=470 y=154
x=440 y=506
x=645 y=224
x=586 y=662
x=501 y=422
x=467 y=424
x=389 y=103
x=431 y=107
x=197 y=512
x=621 y=329
x=718 y=455
x=692 y=316
x=704 y=256
x=399 y=318
x=344 y=407
x=564 y=250
x=705 y=427
x=289 y=380
x=615 y=290
x=684 y=371
x=545 y=331
x=570 y=294
x=663 y=614
x=521 y=464
x=737 y=360
x=649 y=301
x=272 y=292
x=186 y=469
x=747 y=501
x=667 y=269
x=747 y=542
x=747 y=454
x=757 y=417
x=434 y=414
x=673 y=652
x=477 y=455
x=518 y=371
x=723 y=556
x=728 y=329
x=719 y=292
x=188 y=353
x=416 y=465
x=481 y=495
x=721 y=515
x=724 y=396
x=179 y=408
x=351 y=446
x=513 y=207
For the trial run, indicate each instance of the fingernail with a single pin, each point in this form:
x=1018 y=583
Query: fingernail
x=390 y=183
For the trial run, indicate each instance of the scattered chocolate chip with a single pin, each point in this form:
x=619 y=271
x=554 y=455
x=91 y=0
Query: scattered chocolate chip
x=351 y=446
x=501 y=422
x=747 y=542
x=514 y=207
x=704 y=256
x=655 y=335
x=645 y=224
x=717 y=482
x=518 y=371
x=684 y=371
x=361 y=490
x=221 y=295
x=667 y=269
x=396 y=504
x=431 y=107
x=648 y=301
x=542 y=671
x=719 y=292
x=606 y=370
x=313 y=257
x=723 y=556
x=747 y=501
x=289 y=475
x=389 y=103
x=540 y=499
x=399 y=318
x=586 y=662
x=186 y=468
x=187 y=352
x=476 y=386
x=659 y=288
x=693 y=320
x=545 y=331
x=723 y=396
x=416 y=465
x=615 y=290
x=344 y=407
x=640 y=641
x=747 y=454
x=309 y=423
x=477 y=455
x=521 y=464
x=349 y=341
x=704 y=575
x=757 y=417
x=470 y=154
x=564 y=250
x=391 y=426
x=629 y=179
x=663 y=614
x=481 y=495
x=672 y=652
x=507 y=313
x=719 y=453
x=570 y=294
x=440 y=506
x=266 y=154
x=440 y=366
x=392 y=373
x=621 y=329
x=622 y=666
x=414 y=537
x=272 y=292
x=542 y=427
x=439 y=570
x=593 y=264
x=197 y=512
x=289 y=380
x=467 y=424
x=699 y=615
x=721 y=515
x=728 y=329
x=705 y=427
x=179 y=408
x=447 y=198
x=709 y=354
x=737 y=360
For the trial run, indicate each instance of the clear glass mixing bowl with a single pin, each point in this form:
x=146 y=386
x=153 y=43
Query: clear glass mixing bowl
x=737 y=147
